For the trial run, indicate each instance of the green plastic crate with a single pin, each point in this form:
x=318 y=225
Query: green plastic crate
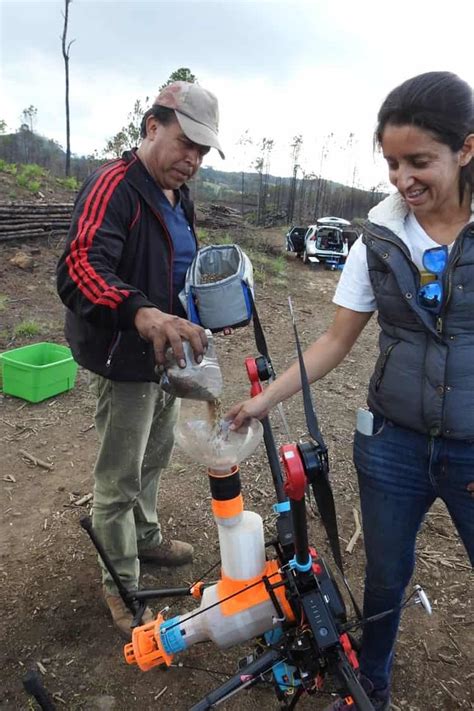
x=39 y=371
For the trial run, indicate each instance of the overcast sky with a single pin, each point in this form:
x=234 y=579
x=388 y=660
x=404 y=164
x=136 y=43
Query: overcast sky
x=278 y=68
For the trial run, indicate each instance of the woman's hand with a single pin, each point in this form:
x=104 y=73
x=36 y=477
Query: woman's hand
x=320 y=358
x=257 y=407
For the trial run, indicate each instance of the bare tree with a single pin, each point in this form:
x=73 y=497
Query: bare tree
x=262 y=166
x=259 y=163
x=304 y=199
x=25 y=133
x=29 y=117
x=342 y=208
x=278 y=192
x=268 y=148
x=66 y=47
x=321 y=183
x=352 y=194
x=244 y=143
x=295 y=156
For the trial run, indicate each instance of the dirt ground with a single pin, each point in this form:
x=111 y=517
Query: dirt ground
x=52 y=615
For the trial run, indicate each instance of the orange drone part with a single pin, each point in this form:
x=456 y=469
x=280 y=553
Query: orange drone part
x=247 y=598
x=146 y=649
x=228 y=508
x=197 y=590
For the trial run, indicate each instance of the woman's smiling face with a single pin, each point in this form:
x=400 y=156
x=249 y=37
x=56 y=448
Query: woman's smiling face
x=424 y=171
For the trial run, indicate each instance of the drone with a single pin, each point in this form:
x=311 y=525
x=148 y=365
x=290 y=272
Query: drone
x=281 y=594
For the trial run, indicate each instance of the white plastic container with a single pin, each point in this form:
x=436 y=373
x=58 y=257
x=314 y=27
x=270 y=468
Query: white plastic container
x=242 y=545
x=226 y=630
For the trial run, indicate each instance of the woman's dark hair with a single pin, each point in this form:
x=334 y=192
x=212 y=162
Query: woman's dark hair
x=163 y=115
x=438 y=102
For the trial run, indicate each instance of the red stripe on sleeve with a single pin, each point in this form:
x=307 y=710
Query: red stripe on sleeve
x=88 y=272
x=78 y=249
x=92 y=285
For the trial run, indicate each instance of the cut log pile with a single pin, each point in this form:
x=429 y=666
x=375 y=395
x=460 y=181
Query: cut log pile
x=22 y=220
x=215 y=216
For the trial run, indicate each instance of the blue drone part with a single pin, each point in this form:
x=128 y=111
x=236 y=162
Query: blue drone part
x=172 y=639
x=283 y=674
x=301 y=567
x=281 y=506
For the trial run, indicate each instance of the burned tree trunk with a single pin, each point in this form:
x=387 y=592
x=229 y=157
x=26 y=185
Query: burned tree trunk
x=65 y=49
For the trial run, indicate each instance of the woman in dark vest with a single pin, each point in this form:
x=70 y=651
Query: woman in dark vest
x=414 y=265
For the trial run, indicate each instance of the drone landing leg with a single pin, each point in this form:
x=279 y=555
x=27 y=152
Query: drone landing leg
x=245 y=677
x=296 y=698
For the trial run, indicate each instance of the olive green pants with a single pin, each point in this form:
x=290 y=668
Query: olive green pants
x=135 y=423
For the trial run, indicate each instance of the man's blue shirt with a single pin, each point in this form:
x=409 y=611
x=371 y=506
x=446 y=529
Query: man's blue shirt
x=184 y=244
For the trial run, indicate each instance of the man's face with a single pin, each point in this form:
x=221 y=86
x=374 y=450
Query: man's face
x=171 y=157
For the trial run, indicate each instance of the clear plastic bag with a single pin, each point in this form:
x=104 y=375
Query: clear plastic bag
x=197 y=381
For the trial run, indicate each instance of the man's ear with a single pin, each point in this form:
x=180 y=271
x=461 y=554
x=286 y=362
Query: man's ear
x=151 y=126
x=466 y=153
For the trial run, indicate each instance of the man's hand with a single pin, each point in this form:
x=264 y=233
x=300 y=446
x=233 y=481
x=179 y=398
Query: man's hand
x=163 y=330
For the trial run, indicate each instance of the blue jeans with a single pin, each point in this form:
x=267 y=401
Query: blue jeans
x=401 y=473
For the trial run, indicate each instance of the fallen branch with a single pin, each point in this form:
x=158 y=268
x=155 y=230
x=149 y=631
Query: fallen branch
x=41 y=668
x=428 y=656
x=83 y=500
x=88 y=428
x=160 y=693
x=34 y=460
x=356 y=535
x=57 y=697
x=447 y=660
x=449 y=693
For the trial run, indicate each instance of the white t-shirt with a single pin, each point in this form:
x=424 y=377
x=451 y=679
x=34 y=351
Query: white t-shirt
x=354 y=290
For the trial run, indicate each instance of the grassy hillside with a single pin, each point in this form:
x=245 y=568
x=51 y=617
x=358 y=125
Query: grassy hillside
x=24 y=182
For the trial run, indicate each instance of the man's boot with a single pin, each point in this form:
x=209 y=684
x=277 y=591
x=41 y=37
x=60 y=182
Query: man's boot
x=168 y=554
x=121 y=615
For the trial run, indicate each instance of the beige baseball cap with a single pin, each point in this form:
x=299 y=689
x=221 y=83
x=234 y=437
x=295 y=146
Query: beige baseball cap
x=196 y=110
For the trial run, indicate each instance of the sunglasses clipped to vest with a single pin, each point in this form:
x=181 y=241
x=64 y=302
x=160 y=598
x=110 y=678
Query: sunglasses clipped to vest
x=430 y=295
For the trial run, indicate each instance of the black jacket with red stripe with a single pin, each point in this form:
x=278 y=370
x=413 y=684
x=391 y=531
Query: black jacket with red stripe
x=118 y=258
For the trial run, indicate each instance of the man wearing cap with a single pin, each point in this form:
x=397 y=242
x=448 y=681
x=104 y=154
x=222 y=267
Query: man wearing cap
x=130 y=243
